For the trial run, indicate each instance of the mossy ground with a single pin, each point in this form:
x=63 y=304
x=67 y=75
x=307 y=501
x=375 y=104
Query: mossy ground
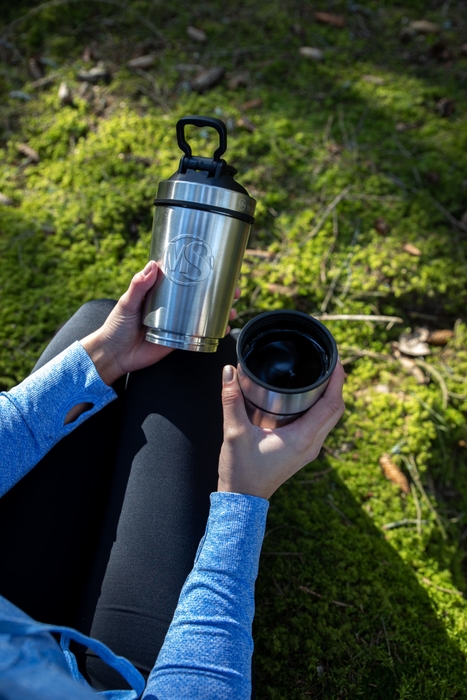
x=346 y=608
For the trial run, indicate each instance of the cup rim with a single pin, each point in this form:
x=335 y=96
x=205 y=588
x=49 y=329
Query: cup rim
x=269 y=318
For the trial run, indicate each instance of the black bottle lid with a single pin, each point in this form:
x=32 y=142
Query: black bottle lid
x=212 y=172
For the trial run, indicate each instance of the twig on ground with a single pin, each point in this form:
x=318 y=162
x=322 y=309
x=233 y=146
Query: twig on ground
x=316 y=476
x=404 y=523
x=324 y=260
x=413 y=491
x=355 y=237
x=455 y=222
x=356 y=353
x=391 y=320
x=327 y=129
x=156 y=96
x=326 y=213
x=412 y=467
x=345 y=265
x=440 y=588
x=453 y=395
x=436 y=375
x=305 y=589
x=388 y=647
x=331 y=452
x=338 y=510
x=431 y=411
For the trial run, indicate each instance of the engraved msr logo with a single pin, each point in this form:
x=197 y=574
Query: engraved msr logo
x=188 y=260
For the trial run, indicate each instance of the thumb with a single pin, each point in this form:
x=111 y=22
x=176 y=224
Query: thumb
x=232 y=400
x=139 y=286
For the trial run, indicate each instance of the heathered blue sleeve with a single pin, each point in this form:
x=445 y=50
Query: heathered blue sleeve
x=208 y=648
x=32 y=414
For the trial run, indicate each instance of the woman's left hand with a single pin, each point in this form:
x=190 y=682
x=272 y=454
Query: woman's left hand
x=119 y=346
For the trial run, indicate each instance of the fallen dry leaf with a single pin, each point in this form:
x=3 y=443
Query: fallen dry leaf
x=196 y=34
x=311 y=52
x=419 y=375
x=328 y=18
x=95 y=75
x=207 y=79
x=251 y=104
x=244 y=123
x=440 y=337
x=392 y=472
x=382 y=226
x=414 y=344
x=237 y=81
x=411 y=367
x=423 y=26
x=142 y=61
x=382 y=388
x=29 y=152
x=258 y=253
x=412 y=249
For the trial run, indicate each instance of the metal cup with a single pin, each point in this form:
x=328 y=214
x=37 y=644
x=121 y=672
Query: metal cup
x=285 y=361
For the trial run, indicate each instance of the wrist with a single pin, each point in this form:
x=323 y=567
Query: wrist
x=105 y=363
x=242 y=488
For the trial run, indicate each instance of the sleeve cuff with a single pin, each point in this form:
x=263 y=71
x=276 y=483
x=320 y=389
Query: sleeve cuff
x=44 y=398
x=234 y=533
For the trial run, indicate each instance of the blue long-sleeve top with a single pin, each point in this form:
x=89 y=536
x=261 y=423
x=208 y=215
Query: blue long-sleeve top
x=207 y=650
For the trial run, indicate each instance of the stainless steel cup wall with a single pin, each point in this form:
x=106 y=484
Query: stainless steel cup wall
x=200 y=254
x=269 y=406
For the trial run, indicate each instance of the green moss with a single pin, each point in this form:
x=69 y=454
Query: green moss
x=347 y=608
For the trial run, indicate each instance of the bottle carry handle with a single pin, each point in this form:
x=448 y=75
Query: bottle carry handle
x=216 y=124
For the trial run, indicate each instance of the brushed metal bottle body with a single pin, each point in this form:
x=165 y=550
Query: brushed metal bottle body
x=200 y=231
x=200 y=255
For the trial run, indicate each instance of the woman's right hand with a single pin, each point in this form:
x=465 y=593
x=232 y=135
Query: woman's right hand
x=256 y=461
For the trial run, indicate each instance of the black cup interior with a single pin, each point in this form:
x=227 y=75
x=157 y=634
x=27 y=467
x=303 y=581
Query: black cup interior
x=286 y=350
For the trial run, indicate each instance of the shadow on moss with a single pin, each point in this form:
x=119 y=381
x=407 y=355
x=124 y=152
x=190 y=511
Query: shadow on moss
x=337 y=602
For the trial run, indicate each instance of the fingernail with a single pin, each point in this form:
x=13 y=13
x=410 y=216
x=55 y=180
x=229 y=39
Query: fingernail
x=227 y=374
x=148 y=268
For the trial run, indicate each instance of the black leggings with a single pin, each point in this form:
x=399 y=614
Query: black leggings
x=102 y=533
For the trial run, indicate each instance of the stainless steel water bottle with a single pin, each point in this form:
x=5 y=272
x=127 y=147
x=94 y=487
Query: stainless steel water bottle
x=201 y=226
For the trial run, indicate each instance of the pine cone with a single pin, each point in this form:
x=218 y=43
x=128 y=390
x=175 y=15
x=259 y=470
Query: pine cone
x=392 y=472
x=440 y=337
x=207 y=79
